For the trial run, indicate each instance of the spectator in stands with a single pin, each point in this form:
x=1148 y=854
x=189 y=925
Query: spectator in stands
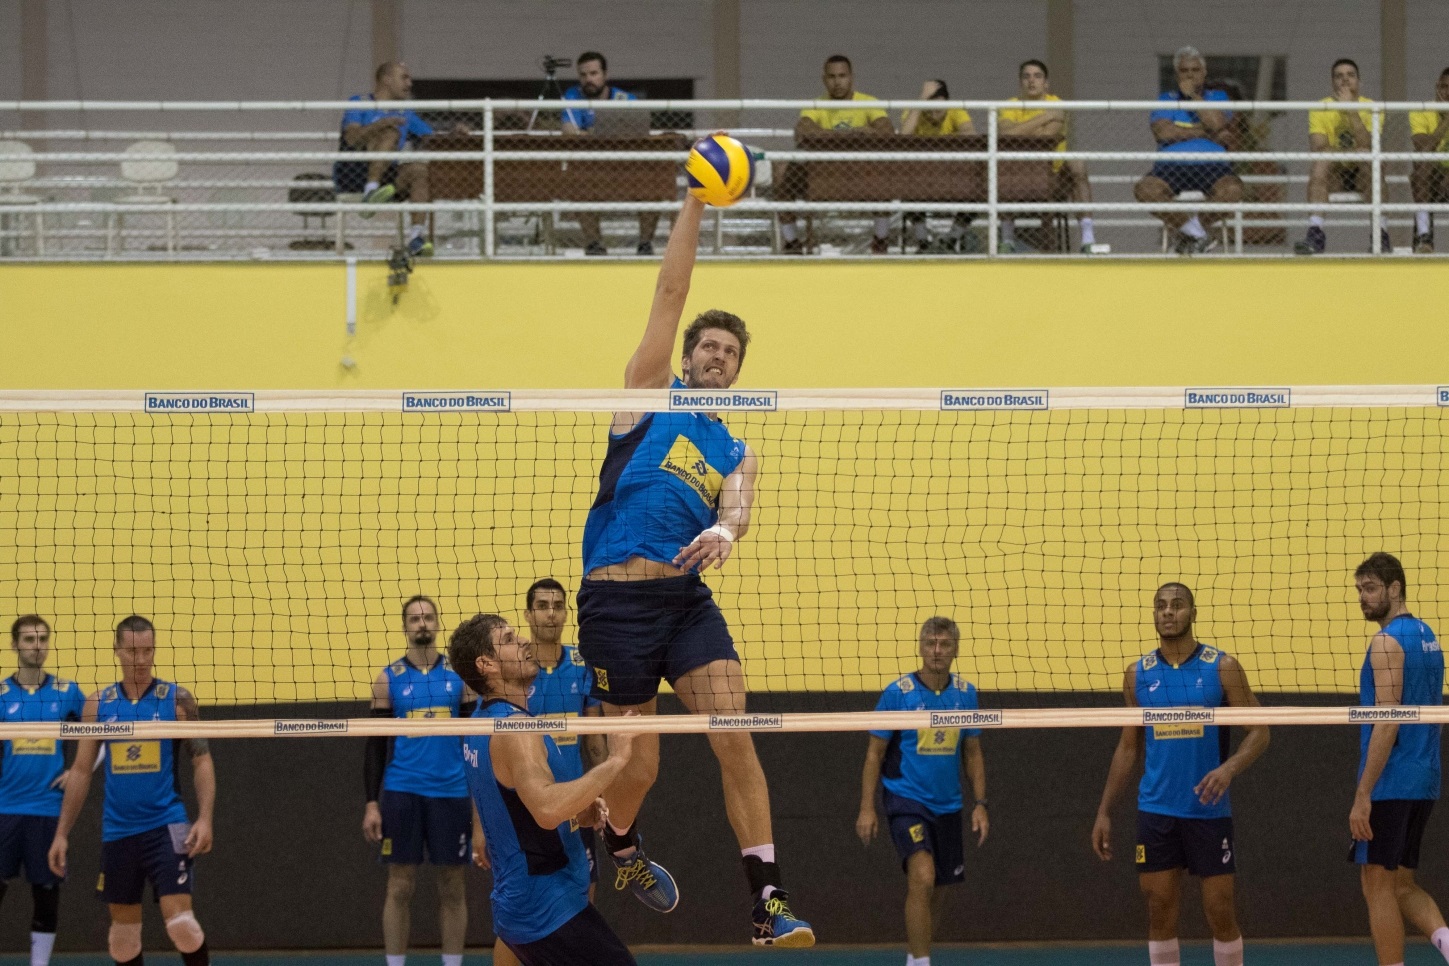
x=1190 y=127
x=839 y=81
x=1430 y=180
x=1038 y=122
x=594 y=85
x=366 y=129
x=953 y=120
x=1337 y=130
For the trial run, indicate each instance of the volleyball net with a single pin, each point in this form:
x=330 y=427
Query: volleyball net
x=273 y=536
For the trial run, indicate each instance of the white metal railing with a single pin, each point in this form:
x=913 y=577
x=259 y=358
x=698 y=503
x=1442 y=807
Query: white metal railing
x=59 y=200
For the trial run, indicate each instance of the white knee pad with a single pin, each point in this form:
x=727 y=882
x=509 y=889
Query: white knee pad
x=185 y=932
x=125 y=941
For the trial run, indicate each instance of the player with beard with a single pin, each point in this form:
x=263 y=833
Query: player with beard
x=675 y=494
x=417 y=795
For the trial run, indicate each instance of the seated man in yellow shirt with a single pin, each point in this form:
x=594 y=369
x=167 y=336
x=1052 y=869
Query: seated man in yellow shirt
x=930 y=124
x=839 y=78
x=1430 y=180
x=1337 y=130
x=1037 y=122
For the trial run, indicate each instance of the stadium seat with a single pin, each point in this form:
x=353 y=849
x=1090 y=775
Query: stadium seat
x=148 y=177
x=14 y=175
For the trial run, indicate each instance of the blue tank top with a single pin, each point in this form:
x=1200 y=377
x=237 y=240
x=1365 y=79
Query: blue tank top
x=1180 y=753
x=31 y=765
x=429 y=766
x=540 y=876
x=563 y=691
x=143 y=786
x=659 y=487
x=1413 y=767
x=925 y=765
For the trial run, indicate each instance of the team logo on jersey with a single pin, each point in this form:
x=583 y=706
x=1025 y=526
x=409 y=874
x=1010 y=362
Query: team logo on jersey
x=917 y=833
x=906 y=684
x=685 y=461
x=1210 y=654
x=12 y=708
x=135 y=757
x=1149 y=662
x=940 y=741
x=32 y=746
x=575 y=657
x=601 y=679
x=162 y=690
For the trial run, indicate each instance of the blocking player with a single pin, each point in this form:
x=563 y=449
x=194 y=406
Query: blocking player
x=32 y=777
x=1183 y=816
x=417 y=798
x=145 y=833
x=541 y=907
x=561 y=687
x=1398 y=766
x=921 y=775
x=675 y=494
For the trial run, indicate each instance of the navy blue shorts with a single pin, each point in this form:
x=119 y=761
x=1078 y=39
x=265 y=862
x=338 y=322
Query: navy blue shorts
x=1191 y=176
x=411 y=822
x=1202 y=846
x=25 y=841
x=585 y=940
x=1398 y=825
x=587 y=834
x=634 y=632
x=158 y=856
x=915 y=828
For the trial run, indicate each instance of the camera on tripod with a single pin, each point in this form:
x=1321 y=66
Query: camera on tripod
x=550 y=64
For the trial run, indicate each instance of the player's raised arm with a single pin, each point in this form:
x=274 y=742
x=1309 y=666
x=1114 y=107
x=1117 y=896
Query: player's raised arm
x=1124 y=760
x=650 y=366
x=520 y=762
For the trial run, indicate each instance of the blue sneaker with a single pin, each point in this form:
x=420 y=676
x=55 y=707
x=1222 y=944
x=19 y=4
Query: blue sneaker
x=650 y=882
x=776 y=925
x=1313 y=243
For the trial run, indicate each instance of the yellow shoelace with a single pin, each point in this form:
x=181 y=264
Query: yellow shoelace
x=639 y=870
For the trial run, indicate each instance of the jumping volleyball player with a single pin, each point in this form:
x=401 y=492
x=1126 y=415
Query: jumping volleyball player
x=675 y=492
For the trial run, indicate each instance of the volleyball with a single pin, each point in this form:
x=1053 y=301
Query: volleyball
x=720 y=170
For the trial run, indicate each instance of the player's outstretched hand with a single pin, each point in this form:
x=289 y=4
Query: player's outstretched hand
x=198 y=840
x=57 y=855
x=710 y=548
x=372 y=822
x=1214 y=785
x=866 y=825
x=1102 y=838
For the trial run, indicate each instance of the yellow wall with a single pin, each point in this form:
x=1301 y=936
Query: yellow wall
x=819 y=325
x=272 y=550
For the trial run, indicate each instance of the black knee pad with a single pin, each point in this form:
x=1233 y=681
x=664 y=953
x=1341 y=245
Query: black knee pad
x=47 y=907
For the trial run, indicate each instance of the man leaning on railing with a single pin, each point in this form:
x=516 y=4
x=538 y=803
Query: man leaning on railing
x=1190 y=127
x=1430 y=181
x=839 y=79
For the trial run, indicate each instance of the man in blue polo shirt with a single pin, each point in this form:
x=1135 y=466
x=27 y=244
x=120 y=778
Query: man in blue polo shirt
x=594 y=85
x=920 y=772
x=1188 y=127
x=367 y=129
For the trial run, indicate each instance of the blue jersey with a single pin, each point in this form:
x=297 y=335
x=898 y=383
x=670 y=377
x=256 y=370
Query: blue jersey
x=540 y=876
x=925 y=765
x=143 y=786
x=659 y=487
x=430 y=766
x=1182 y=117
x=1412 y=770
x=412 y=128
x=32 y=765
x=1180 y=753
x=563 y=691
x=583 y=118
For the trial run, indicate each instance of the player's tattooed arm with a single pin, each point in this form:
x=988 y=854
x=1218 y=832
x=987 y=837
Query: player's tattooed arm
x=188 y=710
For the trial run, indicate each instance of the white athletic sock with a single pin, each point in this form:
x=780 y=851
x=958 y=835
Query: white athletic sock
x=1315 y=221
x=396 y=960
x=1229 y=953
x=1008 y=230
x=1089 y=236
x=789 y=232
x=41 y=943
x=882 y=227
x=765 y=853
x=371 y=187
x=1193 y=228
x=1164 y=952
x=452 y=959
x=415 y=231
x=1440 y=939
x=1421 y=223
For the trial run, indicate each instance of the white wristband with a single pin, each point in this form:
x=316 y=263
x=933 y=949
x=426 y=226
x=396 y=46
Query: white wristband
x=723 y=531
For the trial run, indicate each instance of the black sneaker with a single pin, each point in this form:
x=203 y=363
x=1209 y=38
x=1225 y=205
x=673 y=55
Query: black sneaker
x=1314 y=243
x=792 y=247
x=1386 y=244
x=645 y=248
x=1424 y=244
x=595 y=248
x=776 y=925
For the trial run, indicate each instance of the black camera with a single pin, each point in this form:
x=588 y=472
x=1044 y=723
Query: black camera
x=549 y=63
x=399 y=268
